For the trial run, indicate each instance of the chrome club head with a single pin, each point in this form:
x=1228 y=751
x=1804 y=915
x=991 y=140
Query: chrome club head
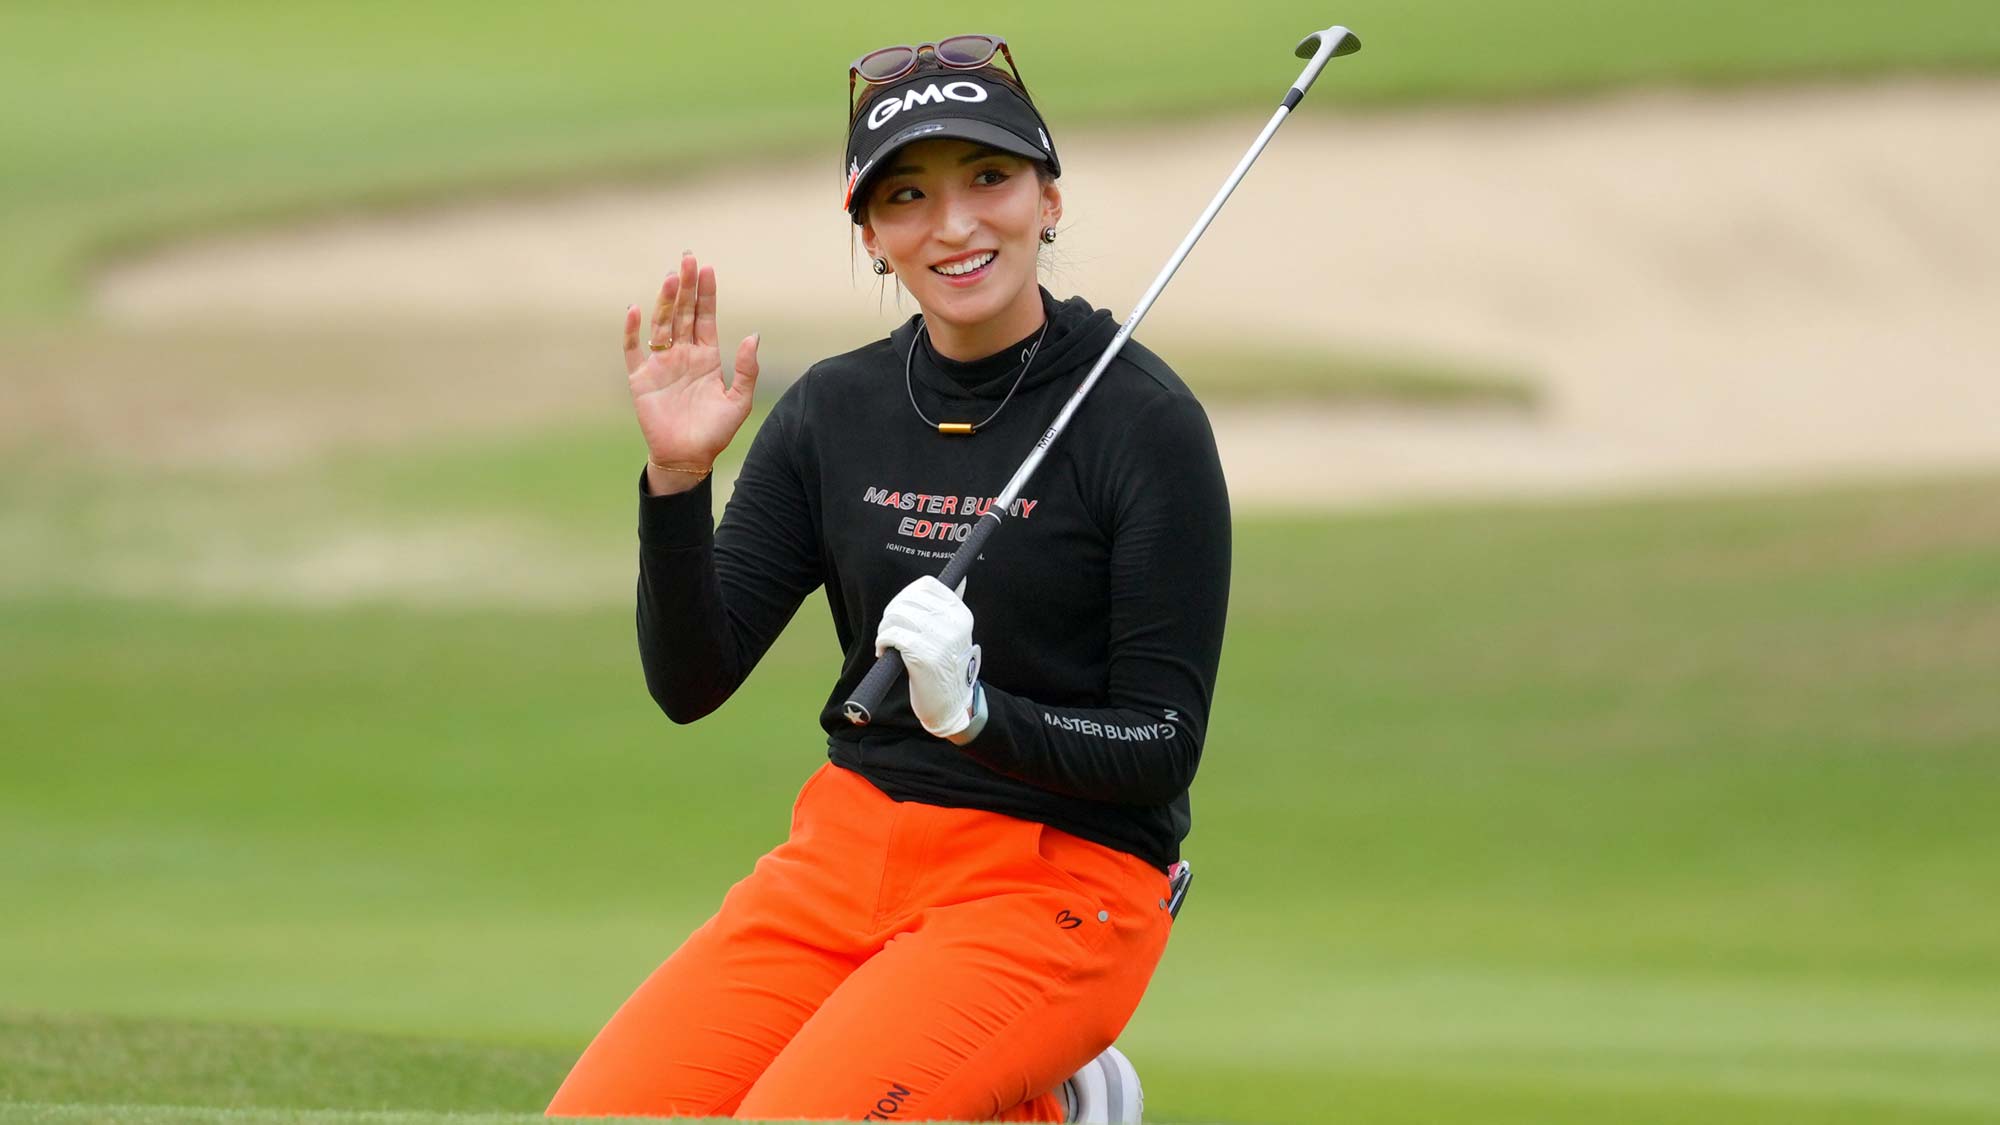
x=1321 y=47
x=1344 y=42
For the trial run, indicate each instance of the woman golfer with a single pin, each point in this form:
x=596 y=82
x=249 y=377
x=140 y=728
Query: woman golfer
x=975 y=890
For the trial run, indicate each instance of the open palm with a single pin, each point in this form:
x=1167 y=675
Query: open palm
x=686 y=411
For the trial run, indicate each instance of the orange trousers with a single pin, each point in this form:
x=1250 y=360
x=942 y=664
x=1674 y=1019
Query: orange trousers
x=890 y=961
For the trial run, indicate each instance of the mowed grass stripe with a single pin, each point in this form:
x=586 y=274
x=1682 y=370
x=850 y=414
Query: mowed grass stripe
x=174 y=1071
x=68 y=1059
x=36 y=1113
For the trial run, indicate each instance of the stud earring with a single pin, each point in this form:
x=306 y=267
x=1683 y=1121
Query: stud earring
x=1048 y=234
x=881 y=267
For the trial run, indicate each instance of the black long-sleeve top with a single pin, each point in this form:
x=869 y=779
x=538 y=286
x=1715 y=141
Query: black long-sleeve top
x=1098 y=604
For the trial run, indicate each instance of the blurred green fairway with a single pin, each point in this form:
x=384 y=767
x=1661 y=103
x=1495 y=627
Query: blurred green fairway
x=1655 y=811
x=1664 y=811
x=124 y=123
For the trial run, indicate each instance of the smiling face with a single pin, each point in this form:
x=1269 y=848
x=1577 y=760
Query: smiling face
x=945 y=204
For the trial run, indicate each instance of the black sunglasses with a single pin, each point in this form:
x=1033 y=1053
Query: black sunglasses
x=960 y=52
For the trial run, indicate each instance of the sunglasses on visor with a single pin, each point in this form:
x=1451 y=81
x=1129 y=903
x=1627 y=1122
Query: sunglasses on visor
x=960 y=52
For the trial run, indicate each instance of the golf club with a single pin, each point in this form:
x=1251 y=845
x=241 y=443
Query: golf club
x=1320 y=47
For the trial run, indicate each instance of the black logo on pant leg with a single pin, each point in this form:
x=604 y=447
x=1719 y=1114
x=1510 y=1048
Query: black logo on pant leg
x=889 y=1104
x=1067 y=920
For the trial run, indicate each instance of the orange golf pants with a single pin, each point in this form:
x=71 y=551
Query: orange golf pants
x=890 y=961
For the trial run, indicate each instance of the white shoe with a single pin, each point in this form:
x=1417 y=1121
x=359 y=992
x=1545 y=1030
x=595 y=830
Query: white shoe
x=1105 y=1091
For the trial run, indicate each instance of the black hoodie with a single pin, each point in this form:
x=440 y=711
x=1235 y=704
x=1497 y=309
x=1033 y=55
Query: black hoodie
x=1098 y=608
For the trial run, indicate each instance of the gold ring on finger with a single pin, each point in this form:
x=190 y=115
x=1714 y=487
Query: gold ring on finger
x=662 y=347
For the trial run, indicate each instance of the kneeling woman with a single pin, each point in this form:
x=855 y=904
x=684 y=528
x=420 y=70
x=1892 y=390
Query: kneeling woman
x=974 y=894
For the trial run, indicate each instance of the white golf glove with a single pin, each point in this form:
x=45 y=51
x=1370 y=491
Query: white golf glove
x=931 y=627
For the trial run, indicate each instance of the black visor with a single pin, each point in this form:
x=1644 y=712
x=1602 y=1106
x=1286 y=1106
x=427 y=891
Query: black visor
x=961 y=105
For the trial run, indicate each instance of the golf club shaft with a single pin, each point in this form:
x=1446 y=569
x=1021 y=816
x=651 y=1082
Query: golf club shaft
x=1324 y=45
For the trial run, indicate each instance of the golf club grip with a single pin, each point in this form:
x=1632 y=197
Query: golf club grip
x=960 y=563
x=867 y=697
x=860 y=707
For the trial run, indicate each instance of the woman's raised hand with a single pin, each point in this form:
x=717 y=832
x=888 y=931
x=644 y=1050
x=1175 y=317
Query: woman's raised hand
x=686 y=412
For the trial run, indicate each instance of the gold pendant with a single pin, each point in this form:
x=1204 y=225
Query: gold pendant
x=954 y=427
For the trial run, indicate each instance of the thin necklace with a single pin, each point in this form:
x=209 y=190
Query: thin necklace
x=923 y=329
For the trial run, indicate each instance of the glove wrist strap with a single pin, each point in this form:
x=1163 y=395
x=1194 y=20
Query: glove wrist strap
x=978 y=717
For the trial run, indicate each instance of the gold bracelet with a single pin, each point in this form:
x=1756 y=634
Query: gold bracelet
x=696 y=473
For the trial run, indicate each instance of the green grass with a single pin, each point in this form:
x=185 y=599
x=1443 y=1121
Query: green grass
x=33 y=1113
x=126 y=123
x=1655 y=811
x=77 y=1060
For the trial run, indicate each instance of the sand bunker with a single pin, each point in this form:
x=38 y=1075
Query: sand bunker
x=1713 y=289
